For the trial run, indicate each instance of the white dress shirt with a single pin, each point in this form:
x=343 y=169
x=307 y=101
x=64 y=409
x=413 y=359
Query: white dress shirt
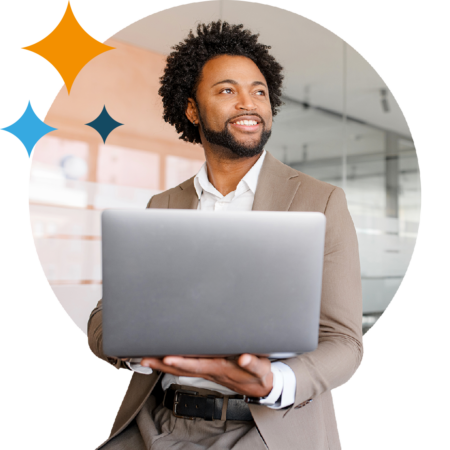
x=210 y=199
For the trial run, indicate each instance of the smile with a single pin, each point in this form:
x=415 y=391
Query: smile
x=246 y=122
x=247 y=125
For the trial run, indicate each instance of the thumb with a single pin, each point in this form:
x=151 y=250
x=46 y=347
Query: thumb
x=252 y=364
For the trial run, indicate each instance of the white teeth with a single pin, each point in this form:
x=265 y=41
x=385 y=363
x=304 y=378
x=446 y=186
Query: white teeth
x=247 y=122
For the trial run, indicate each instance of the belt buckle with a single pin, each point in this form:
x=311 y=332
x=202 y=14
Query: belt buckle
x=176 y=401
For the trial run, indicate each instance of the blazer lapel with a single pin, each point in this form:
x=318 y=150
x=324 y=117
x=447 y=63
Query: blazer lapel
x=277 y=186
x=185 y=197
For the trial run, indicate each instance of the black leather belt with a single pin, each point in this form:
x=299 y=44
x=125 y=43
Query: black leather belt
x=190 y=403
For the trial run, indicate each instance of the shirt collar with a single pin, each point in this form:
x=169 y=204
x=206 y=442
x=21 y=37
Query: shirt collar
x=249 y=181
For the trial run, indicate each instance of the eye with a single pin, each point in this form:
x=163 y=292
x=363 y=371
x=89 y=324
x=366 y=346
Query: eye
x=260 y=92
x=227 y=89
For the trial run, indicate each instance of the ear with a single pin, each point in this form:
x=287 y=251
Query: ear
x=191 y=111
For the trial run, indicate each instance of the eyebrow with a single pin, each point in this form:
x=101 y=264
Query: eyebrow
x=255 y=83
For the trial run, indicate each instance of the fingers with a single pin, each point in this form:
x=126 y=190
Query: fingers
x=199 y=366
x=207 y=368
x=184 y=364
x=172 y=368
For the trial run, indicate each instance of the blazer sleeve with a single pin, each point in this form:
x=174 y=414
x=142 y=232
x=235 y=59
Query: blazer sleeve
x=340 y=349
x=95 y=332
x=95 y=338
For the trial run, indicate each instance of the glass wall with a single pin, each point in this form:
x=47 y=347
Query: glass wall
x=379 y=172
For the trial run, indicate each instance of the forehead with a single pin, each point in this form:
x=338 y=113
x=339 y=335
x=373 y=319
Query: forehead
x=227 y=67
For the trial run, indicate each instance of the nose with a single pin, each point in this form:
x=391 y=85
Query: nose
x=245 y=102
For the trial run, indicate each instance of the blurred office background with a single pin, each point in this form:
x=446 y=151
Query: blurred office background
x=361 y=112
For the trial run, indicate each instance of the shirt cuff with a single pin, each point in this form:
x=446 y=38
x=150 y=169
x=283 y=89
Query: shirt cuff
x=284 y=383
x=135 y=366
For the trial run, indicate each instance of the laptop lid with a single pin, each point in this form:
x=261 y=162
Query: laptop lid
x=188 y=282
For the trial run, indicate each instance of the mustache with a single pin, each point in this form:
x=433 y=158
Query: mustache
x=246 y=114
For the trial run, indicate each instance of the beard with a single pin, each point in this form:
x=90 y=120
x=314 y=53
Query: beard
x=232 y=149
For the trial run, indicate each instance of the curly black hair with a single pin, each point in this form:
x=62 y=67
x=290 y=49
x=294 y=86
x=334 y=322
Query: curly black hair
x=185 y=63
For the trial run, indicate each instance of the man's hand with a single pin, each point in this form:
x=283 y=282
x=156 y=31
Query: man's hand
x=248 y=375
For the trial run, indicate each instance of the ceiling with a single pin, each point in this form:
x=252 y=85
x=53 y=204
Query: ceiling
x=408 y=42
x=313 y=57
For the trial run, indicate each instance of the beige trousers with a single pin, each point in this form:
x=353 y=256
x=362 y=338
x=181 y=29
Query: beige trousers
x=156 y=428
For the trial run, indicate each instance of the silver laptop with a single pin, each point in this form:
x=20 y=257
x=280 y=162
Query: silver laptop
x=187 y=282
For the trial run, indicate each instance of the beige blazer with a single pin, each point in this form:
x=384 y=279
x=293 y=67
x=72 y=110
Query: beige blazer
x=339 y=353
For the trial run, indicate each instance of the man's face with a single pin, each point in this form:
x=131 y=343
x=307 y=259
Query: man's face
x=233 y=105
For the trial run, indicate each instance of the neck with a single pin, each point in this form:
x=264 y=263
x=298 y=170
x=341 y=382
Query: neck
x=226 y=173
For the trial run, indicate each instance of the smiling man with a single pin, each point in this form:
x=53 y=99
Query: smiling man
x=221 y=89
